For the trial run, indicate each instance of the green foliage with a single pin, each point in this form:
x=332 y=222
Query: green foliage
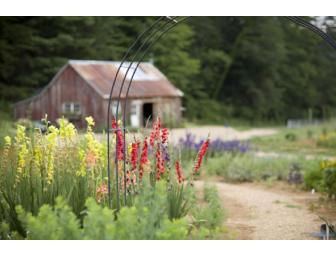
x=59 y=223
x=99 y=223
x=228 y=67
x=313 y=179
x=327 y=139
x=291 y=137
x=178 y=203
x=211 y=215
x=330 y=182
x=323 y=178
x=6 y=126
x=248 y=168
x=307 y=142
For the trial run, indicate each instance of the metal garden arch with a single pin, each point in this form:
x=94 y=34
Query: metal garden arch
x=141 y=46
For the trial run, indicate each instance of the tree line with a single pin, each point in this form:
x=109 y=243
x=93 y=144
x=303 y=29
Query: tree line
x=251 y=68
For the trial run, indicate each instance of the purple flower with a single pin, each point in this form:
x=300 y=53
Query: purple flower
x=165 y=153
x=217 y=145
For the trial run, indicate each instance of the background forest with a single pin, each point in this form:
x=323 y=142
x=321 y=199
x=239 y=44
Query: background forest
x=257 y=69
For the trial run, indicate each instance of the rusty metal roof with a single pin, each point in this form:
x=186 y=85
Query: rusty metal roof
x=148 y=80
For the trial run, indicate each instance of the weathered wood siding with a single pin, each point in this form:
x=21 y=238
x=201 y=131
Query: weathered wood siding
x=68 y=87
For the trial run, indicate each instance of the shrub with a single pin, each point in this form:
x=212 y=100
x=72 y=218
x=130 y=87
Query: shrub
x=330 y=182
x=99 y=223
x=327 y=139
x=291 y=137
x=322 y=178
x=313 y=179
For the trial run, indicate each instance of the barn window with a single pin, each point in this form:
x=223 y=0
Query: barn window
x=71 y=108
x=66 y=107
x=76 y=108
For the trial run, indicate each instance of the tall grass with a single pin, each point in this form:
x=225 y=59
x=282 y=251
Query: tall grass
x=248 y=167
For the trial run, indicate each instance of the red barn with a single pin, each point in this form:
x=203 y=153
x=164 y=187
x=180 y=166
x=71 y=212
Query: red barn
x=82 y=88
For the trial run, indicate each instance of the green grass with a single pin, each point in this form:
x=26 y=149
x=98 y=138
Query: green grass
x=249 y=168
x=296 y=140
x=293 y=206
x=6 y=126
x=238 y=124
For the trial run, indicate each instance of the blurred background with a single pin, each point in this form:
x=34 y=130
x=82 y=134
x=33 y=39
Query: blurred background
x=232 y=70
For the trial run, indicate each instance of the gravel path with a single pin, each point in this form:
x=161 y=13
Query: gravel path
x=257 y=213
x=224 y=133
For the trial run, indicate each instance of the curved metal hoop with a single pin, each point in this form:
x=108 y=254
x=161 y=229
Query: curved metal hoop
x=148 y=39
x=147 y=35
x=301 y=22
x=109 y=113
x=150 y=36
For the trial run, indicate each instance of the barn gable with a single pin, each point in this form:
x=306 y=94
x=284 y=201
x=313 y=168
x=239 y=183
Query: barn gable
x=148 y=81
x=82 y=88
x=65 y=95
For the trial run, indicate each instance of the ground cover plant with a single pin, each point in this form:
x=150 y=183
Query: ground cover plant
x=61 y=172
x=308 y=139
x=249 y=168
x=211 y=214
x=323 y=178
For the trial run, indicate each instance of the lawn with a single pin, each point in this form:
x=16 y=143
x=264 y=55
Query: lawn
x=298 y=141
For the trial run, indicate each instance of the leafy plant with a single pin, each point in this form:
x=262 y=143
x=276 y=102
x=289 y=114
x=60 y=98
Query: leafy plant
x=313 y=179
x=291 y=137
x=330 y=182
x=211 y=215
x=37 y=168
x=178 y=203
x=99 y=223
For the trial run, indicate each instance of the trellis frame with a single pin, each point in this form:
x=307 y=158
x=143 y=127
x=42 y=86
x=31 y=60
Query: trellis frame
x=147 y=40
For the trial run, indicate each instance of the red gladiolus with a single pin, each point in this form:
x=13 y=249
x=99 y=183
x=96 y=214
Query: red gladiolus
x=143 y=158
x=128 y=178
x=133 y=178
x=155 y=134
x=164 y=135
x=134 y=154
x=101 y=192
x=159 y=163
x=179 y=174
x=200 y=155
x=120 y=142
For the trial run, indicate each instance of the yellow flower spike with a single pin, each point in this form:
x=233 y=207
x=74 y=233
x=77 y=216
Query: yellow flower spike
x=322 y=165
x=8 y=141
x=90 y=123
x=70 y=130
x=21 y=142
x=37 y=157
x=51 y=142
x=67 y=130
x=129 y=148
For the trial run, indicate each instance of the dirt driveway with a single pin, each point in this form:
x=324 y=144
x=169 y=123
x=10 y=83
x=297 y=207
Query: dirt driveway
x=258 y=213
x=224 y=133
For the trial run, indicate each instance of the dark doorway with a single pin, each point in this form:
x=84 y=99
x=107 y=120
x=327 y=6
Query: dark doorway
x=147 y=113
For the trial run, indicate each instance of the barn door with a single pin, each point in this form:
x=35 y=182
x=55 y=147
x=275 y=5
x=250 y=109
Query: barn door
x=135 y=113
